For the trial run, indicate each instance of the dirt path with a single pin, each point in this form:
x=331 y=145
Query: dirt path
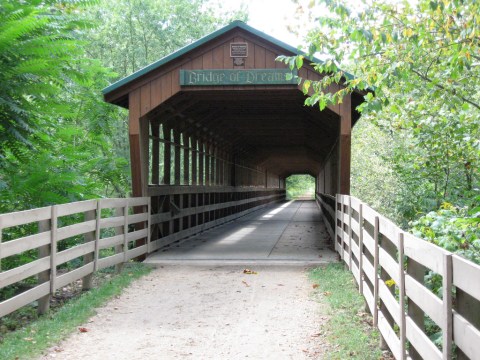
x=201 y=312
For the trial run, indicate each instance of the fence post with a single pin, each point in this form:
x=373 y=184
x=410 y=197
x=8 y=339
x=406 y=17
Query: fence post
x=350 y=233
x=375 y=271
x=447 y=330
x=335 y=220
x=44 y=276
x=149 y=221
x=87 y=281
x=401 y=287
x=97 y=235
x=360 y=246
x=53 y=251
x=118 y=231
x=342 y=231
x=125 y=231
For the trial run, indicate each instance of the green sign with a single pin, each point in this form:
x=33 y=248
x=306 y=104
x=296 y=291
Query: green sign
x=237 y=77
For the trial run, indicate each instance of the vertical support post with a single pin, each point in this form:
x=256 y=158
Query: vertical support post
x=342 y=231
x=87 y=281
x=97 y=235
x=44 y=276
x=201 y=163
x=155 y=153
x=345 y=111
x=447 y=330
x=401 y=288
x=119 y=230
x=350 y=214
x=337 y=199
x=167 y=155
x=213 y=167
x=125 y=231
x=195 y=153
x=134 y=138
x=360 y=246
x=144 y=154
x=186 y=160
x=53 y=250
x=149 y=224
x=176 y=139
x=375 y=270
x=207 y=164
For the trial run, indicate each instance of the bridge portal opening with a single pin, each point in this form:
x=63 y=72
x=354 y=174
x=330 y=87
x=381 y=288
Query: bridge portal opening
x=300 y=187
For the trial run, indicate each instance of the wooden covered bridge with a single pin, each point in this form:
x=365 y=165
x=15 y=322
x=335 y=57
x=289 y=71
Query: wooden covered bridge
x=215 y=129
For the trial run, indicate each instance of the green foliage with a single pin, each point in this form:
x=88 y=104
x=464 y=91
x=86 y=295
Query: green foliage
x=38 y=57
x=374 y=180
x=300 y=186
x=453 y=228
x=421 y=59
x=134 y=33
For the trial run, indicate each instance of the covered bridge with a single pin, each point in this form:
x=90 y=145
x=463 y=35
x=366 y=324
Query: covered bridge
x=217 y=126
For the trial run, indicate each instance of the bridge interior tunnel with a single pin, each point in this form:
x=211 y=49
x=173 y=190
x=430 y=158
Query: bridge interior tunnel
x=241 y=138
x=210 y=153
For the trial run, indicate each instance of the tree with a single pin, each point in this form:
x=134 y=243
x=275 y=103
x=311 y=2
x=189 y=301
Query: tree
x=38 y=57
x=422 y=62
x=134 y=33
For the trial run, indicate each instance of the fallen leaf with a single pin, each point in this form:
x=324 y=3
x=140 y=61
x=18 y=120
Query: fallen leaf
x=27 y=339
x=82 y=329
x=249 y=272
x=315 y=286
x=327 y=293
x=245 y=283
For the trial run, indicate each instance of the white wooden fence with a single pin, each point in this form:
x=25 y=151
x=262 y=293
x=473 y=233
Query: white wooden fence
x=379 y=254
x=109 y=228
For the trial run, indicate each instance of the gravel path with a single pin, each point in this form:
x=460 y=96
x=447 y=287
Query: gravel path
x=202 y=312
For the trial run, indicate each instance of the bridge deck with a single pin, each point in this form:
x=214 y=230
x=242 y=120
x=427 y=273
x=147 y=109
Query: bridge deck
x=287 y=232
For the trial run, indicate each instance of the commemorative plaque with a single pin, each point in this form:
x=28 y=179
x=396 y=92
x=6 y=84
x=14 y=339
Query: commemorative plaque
x=238 y=50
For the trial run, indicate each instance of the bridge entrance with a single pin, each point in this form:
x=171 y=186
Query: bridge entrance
x=216 y=127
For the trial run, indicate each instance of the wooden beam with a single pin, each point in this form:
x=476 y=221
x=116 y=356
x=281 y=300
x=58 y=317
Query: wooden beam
x=345 y=145
x=186 y=160
x=167 y=154
x=134 y=138
x=201 y=162
x=155 y=153
x=177 y=149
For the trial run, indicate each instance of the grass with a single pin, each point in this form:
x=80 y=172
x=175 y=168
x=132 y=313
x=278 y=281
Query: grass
x=48 y=330
x=349 y=329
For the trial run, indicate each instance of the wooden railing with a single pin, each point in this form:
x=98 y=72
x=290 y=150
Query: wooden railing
x=65 y=243
x=42 y=250
x=182 y=211
x=390 y=266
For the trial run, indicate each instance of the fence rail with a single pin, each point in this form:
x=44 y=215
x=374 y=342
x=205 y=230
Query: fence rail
x=390 y=265
x=86 y=236
x=58 y=245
